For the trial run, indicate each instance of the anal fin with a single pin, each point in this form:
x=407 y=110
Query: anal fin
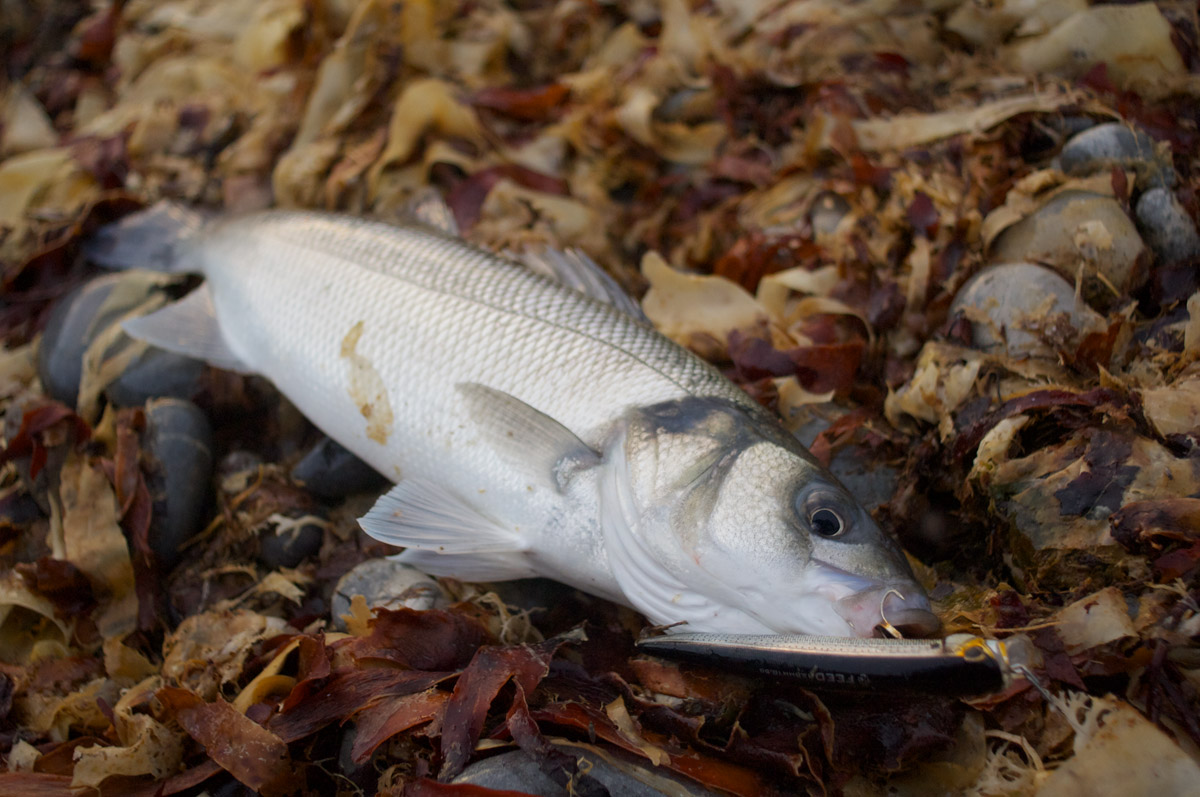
x=188 y=327
x=444 y=535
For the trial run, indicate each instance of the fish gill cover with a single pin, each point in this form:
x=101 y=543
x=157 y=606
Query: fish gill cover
x=951 y=244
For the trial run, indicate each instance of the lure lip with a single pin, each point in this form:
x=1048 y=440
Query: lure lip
x=961 y=665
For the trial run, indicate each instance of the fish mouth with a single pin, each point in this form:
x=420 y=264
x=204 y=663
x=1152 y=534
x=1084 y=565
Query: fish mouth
x=904 y=613
x=865 y=604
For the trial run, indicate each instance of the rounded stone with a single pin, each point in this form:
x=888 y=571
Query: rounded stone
x=1167 y=227
x=827 y=213
x=178 y=442
x=872 y=483
x=1000 y=300
x=386 y=584
x=330 y=470
x=289 y=544
x=620 y=774
x=156 y=374
x=88 y=311
x=1117 y=144
x=72 y=324
x=1075 y=227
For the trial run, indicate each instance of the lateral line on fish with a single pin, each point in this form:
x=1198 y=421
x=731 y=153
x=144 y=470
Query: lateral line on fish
x=517 y=269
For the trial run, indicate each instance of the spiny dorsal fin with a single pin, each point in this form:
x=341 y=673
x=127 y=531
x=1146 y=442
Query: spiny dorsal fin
x=575 y=270
x=428 y=207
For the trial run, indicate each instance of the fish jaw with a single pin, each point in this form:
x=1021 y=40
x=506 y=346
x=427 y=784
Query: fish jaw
x=827 y=601
x=909 y=613
x=865 y=605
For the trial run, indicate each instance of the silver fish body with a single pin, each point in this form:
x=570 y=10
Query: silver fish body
x=533 y=430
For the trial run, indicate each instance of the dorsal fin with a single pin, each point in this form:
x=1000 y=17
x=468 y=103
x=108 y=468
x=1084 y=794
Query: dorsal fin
x=428 y=207
x=575 y=270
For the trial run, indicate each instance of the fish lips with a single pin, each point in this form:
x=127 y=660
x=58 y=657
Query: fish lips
x=865 y=604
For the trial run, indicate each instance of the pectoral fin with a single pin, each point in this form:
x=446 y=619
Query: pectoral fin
x=445 y=535
x=188 y=327
x=527 y=438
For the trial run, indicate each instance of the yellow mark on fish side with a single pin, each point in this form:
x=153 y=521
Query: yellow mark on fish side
x=367 y=390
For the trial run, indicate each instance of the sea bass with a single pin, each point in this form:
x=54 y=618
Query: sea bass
x=533 y=430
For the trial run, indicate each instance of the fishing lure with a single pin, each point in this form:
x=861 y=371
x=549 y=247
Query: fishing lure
x=960 y=665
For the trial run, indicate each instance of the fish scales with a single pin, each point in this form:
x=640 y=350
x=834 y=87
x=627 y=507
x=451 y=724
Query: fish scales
x=435 y=312
x=534 y=430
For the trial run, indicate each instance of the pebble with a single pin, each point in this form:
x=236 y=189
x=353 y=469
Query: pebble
x=538 y=596
x=1077 y=225
x=83 y=314
x=1168 y=228
x=72 y=324
x=178 y=442
x=156 y=374
x=872 y=484
x=827 y=213
x=330 y=471
x=287 y=545
x=1010 y=292
x=1117 y=144
x=519 y=772
x=385 y=584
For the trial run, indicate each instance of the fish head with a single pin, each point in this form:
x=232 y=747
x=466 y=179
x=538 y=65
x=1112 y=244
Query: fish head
x=748 y=533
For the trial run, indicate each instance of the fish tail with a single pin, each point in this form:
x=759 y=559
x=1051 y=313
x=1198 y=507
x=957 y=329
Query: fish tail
x=152 y=239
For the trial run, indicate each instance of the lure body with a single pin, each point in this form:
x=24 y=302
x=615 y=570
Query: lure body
x=961 y=665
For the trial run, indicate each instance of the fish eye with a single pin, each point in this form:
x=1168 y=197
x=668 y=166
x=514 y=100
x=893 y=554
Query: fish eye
x=826 y=522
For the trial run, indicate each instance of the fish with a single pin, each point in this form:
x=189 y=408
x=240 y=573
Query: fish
x=532 y=429
x=961 y=665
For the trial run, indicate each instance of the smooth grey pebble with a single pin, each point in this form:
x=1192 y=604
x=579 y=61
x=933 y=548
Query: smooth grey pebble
x=1009 y=292
x=623 y=777
x=534 y=595
x=156 y=374
x=329 y=470
x=1166 y=226
x=827 y=213
x=289 y=547
x=70 y=327
x=872 y=484
x=385 y=584
x=1114 y=143
x=1053 y=234
x=178 y=440
x=78 y=318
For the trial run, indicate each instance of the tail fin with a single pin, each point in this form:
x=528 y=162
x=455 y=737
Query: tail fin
x=151 y=239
